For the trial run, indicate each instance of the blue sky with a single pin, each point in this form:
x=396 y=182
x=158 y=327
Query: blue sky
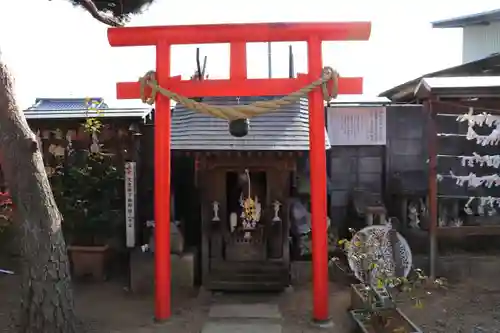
x=55 y=50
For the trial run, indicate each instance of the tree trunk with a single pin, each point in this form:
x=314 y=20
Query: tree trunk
x=47 y=297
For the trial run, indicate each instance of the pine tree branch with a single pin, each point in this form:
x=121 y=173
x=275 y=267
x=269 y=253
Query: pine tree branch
x=98 y=15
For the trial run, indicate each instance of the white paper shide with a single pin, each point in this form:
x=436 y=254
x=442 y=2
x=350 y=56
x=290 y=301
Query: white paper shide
x=357 y=126
x=130 y=202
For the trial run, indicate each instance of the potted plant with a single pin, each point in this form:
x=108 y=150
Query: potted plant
x=88 y=189
x=373 y=309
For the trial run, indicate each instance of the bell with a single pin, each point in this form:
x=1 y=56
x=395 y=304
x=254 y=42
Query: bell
x=239 y=127
x=134 y=129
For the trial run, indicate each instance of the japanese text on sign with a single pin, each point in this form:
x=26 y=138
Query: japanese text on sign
x=130 y=202
x=356 y=126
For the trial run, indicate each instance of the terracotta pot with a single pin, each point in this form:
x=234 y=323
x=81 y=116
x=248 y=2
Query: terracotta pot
x=89 y=261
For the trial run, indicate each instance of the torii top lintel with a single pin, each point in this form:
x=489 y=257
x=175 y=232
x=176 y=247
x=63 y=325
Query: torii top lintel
x=237 y=35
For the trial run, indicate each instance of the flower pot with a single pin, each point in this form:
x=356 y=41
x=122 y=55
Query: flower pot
x=89 y=261
x=396 y=321
x=359 y=297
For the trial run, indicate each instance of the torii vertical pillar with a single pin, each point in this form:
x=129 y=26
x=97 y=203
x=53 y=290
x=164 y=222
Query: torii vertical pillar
x=237 y=35
x=162 y=178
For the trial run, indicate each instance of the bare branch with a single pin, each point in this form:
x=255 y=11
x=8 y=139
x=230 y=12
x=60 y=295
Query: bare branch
x=98 y=15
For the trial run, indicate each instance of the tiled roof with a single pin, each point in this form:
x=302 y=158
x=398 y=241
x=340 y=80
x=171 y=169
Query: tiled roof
x=287 y=129
x=65 y=104
x=78 y=108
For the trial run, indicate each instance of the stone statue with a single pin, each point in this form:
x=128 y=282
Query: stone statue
x=258 y=210
x=276 y=206
x=216 y=206
x=233 y=221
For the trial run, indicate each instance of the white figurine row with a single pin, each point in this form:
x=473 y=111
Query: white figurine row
x=276 y=207
x=486 y=205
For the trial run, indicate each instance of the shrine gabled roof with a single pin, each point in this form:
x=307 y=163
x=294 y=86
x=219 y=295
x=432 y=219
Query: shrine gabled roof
x=78 y=108
x=286 y=129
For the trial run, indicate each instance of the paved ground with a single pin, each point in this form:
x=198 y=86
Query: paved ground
x=469 y=307
x=243 y=318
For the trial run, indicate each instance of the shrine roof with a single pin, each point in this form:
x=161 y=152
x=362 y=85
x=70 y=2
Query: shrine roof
x=469 y=20
x=78 y=108
x=287 y=129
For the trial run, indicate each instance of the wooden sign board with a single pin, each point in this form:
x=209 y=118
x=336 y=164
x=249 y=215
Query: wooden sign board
x=357 y=126
x=130 y=202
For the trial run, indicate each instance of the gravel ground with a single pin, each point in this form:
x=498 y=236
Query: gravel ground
x=469 y=307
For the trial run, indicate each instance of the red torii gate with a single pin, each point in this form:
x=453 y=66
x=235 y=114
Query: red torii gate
x=237 y=35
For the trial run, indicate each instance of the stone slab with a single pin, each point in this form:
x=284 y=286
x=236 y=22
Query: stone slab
x=245 y=311
x=222 y=327
x=142 y=271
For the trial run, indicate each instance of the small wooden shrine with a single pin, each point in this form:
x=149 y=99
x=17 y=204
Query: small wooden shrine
x=245 y=187
x=59 y=124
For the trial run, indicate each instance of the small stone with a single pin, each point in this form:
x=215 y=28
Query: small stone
x=441 y=323
x=478 y=329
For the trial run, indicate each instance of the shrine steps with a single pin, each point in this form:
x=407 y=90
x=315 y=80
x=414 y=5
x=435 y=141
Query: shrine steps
x=248 y=276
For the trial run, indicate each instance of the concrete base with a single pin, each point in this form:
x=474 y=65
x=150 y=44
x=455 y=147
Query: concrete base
x=244 y=318
x=245 y=311
x=160 y=321
x=222 y=327
x=323 y=324
x=142 y=271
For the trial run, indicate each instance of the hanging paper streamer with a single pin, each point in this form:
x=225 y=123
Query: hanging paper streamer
x=479 y=119
x=472 y=180
x=485 y=160
x=486 y=205
x=95 y=147
x=70 y=134
x=484 y=140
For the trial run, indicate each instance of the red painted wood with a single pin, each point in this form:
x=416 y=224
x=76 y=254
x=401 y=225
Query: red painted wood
x=317 y=160
x=162 y=188
x=238 y=35
x=238 y=61
x=249 y=33
x=247 y=87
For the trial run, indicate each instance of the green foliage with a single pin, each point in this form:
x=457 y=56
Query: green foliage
x=377 y=277
x=92 y=124
x=88 y=190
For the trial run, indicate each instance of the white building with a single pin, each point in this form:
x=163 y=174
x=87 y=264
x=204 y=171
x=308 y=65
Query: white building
x=481 y=34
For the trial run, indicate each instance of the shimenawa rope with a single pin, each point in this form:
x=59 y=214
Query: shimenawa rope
x=241 y=111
